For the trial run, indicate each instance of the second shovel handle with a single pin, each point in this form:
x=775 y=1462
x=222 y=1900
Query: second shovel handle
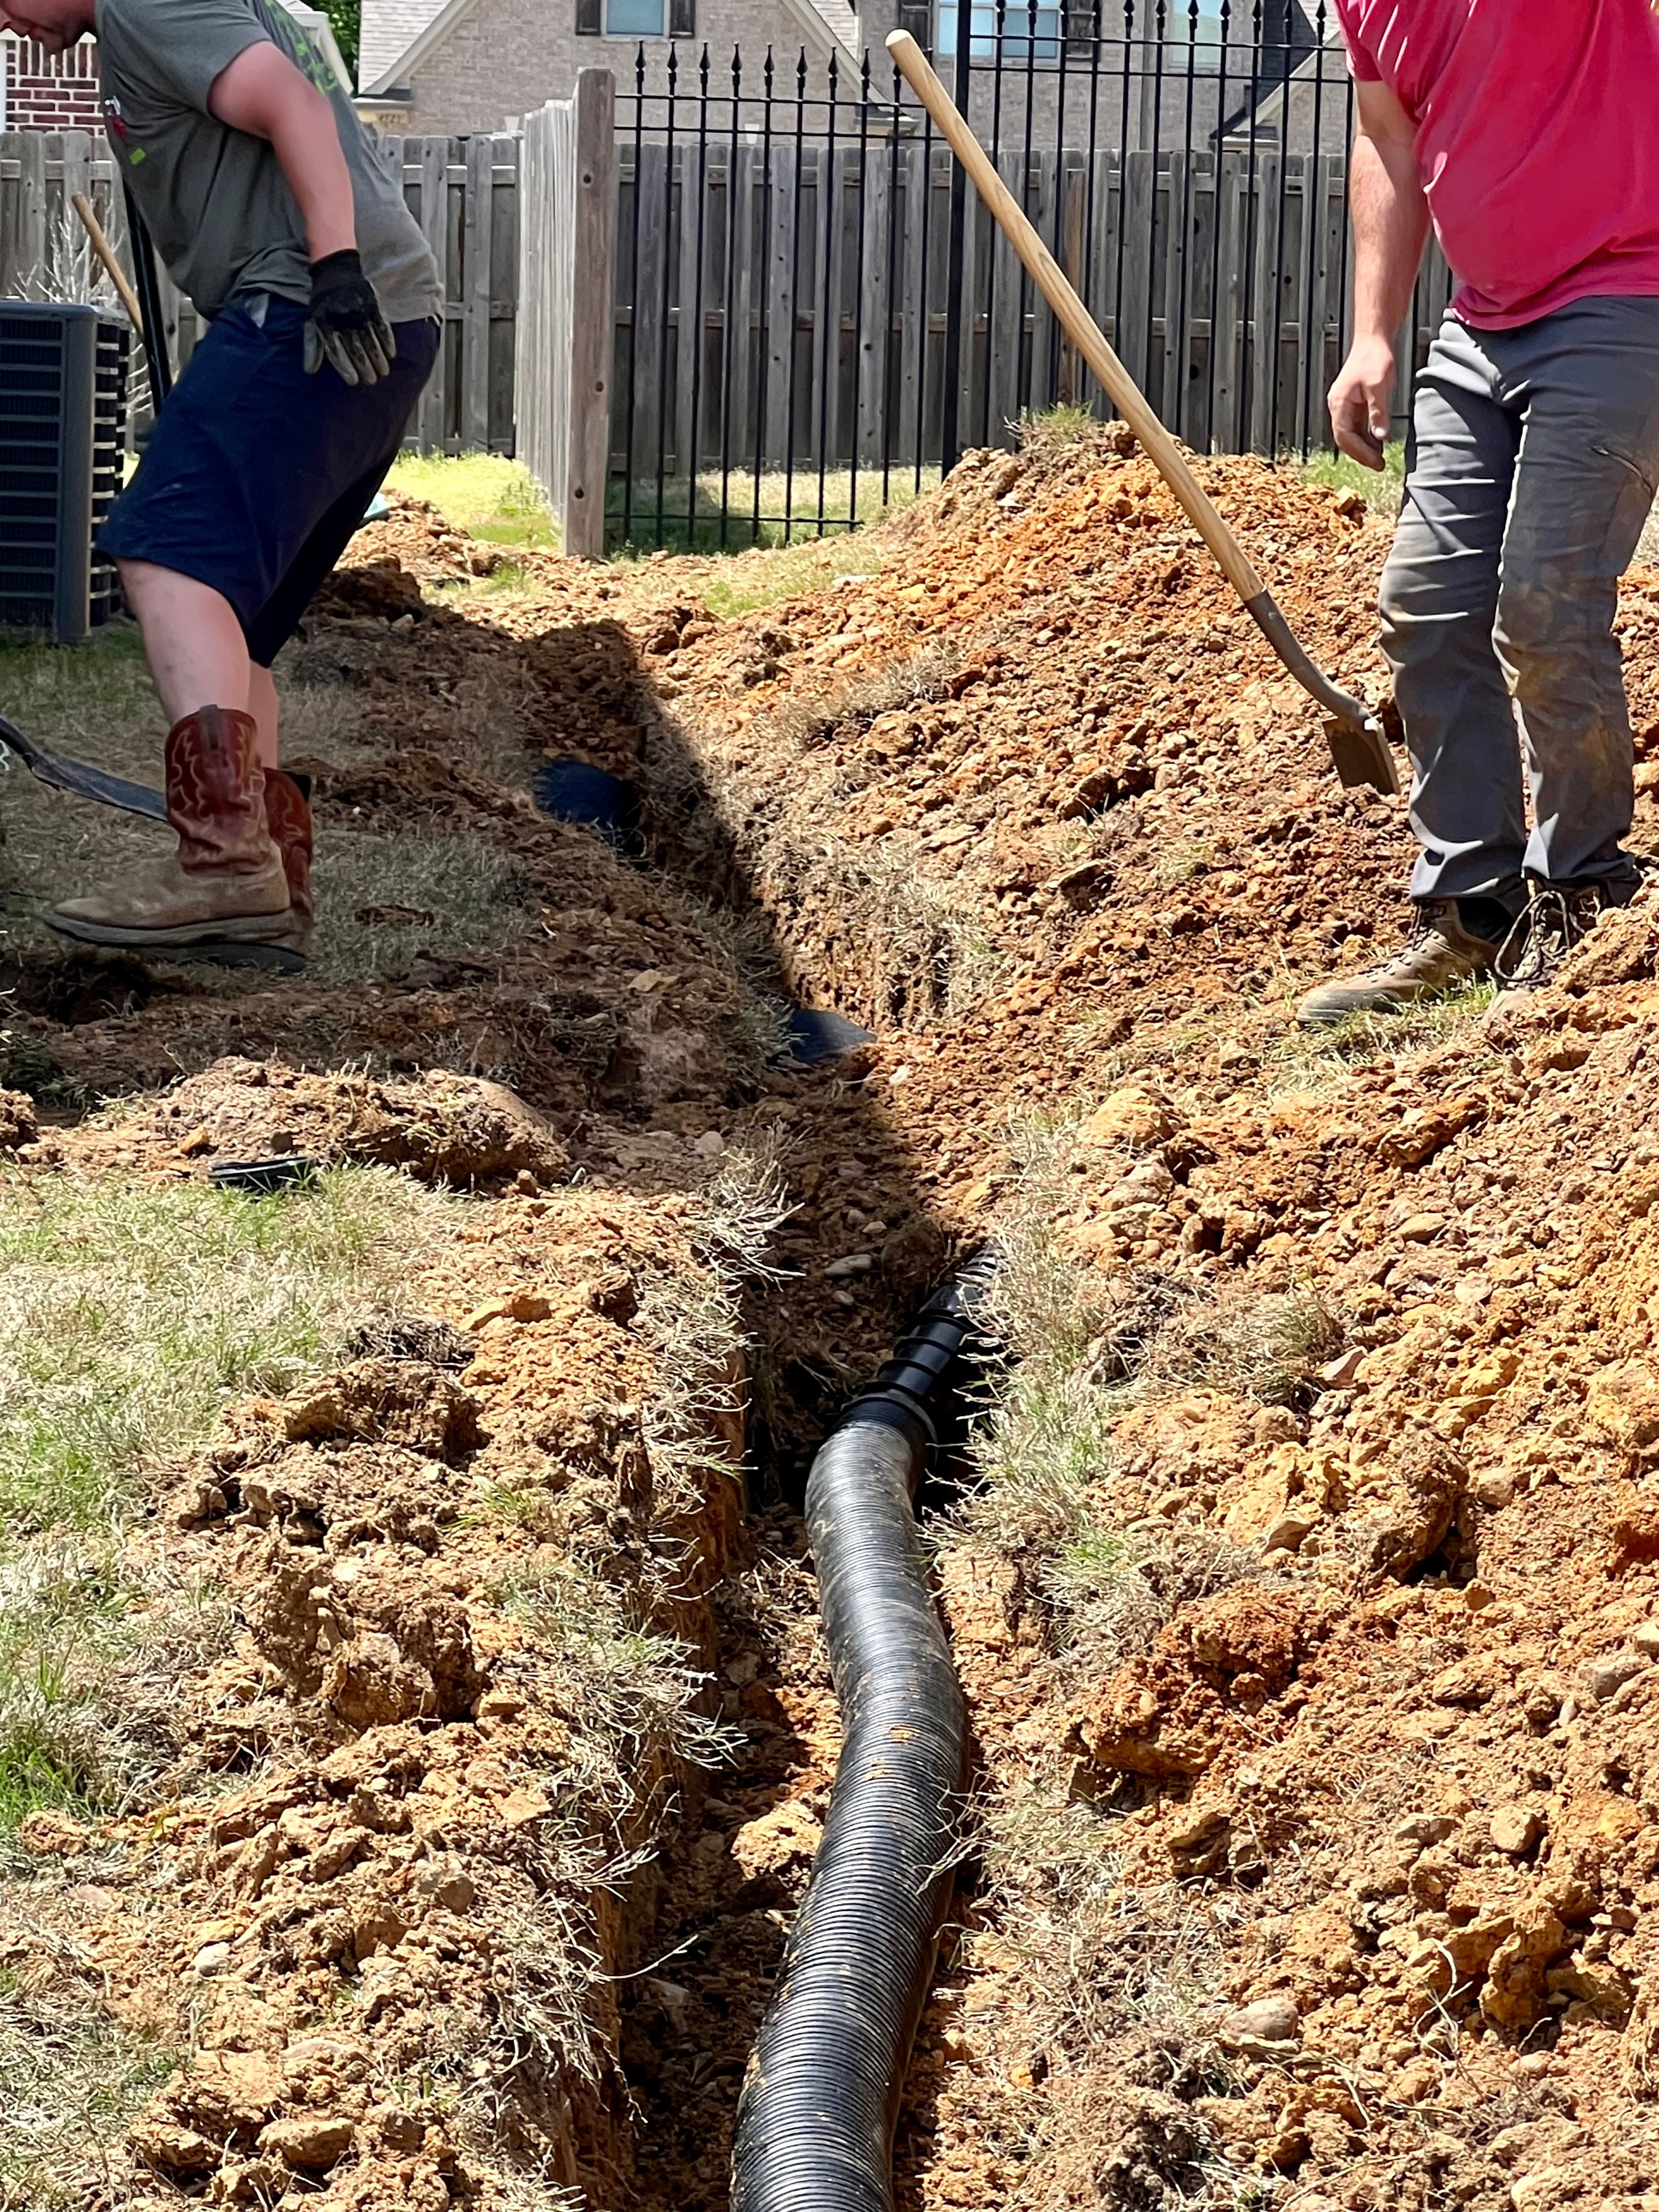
x=1080 y=325
x=106 y=253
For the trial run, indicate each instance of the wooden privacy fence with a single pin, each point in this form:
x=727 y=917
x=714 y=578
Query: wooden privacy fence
x=784 y=308
x=729 y=330
x=463 y=192
x=567 y=232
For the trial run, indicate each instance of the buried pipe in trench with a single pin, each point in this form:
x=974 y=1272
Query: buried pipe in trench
x=821 y=2097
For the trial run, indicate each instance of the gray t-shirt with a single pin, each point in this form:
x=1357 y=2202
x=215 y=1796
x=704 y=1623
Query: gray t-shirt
x=214 y=199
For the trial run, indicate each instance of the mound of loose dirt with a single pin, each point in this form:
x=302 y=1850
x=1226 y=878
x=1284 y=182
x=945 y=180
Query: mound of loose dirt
x=388 y=1953
x=439 y=1128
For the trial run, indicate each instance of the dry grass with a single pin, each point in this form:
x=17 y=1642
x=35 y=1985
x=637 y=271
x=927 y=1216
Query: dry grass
x=1268 y=1346
x=802 y=722
x=387 y=897
x=69 y=2079
x=130 y=1313
x=1104 y=1967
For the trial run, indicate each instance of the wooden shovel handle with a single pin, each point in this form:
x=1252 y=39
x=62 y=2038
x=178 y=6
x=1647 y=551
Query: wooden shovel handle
x=1358 y=746
x=101 y=247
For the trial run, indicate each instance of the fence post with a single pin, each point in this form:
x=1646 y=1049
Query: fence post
x=950 y=426
x=592 y=333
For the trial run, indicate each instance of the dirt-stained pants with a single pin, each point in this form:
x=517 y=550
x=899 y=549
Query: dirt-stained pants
x=1532 y=466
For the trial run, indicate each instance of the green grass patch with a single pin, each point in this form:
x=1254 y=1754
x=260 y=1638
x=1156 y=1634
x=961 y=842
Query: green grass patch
x=131 y=1313
x=1380 y=488
x=763 y=576
x=483 y=493
x=1311 y=1060
x=721 y=514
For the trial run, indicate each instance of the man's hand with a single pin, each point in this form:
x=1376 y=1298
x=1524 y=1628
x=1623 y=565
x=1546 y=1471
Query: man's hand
x=1360 y=402
x=346 y=327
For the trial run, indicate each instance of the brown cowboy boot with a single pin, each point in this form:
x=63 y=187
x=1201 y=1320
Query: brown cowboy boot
x=284 y=940
x=226 y=881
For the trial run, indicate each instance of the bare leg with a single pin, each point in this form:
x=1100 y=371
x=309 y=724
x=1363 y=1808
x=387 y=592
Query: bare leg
x=262 y=704
x=196 y=651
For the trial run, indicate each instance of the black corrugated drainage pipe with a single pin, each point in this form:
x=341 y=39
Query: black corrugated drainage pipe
x=821 y=2097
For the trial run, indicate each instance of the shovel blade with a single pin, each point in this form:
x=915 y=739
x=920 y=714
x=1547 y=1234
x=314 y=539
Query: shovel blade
x=80 y=779
x=1361 y=756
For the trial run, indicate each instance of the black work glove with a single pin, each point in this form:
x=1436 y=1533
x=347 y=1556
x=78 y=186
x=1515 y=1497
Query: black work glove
x=346 y=326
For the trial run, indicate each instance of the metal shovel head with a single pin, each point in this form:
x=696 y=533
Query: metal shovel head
x=80 y=779
x=1360 y=755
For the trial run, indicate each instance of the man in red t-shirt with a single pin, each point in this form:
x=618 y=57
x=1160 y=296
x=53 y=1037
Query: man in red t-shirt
x=1525 y=134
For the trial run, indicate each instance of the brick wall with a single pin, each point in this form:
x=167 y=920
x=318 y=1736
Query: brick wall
x=506 y=57
x=44 y=94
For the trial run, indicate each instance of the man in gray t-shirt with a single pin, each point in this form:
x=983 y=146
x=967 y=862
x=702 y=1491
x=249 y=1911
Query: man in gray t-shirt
x=214 y=197
x=277 y=215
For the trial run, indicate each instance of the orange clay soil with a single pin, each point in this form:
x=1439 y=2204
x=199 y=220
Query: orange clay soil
x=1317 y=1864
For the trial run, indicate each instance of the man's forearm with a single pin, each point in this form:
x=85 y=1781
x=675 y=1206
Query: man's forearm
x=306 y=144
x=1390 y=227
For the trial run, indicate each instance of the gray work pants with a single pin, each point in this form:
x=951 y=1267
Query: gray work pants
x=1533 y=463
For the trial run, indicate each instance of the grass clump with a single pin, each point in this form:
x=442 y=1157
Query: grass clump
x=485 y=494
x=1309 y=1059
x=1266 y=1347
x=1380 y=488
x=393 y=896
x=1046 y=430
x=130 y=1313
x=635 y=1692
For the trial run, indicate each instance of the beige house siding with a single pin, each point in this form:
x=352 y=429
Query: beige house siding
x=506 y=57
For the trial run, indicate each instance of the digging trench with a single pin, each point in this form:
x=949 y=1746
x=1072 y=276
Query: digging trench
x=727 y=1991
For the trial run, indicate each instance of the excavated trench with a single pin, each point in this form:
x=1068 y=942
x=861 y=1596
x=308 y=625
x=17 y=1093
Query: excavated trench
x=768 y=2055
x=695 y=1943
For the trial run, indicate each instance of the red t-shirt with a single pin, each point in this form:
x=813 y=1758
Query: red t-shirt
x=1538 y=142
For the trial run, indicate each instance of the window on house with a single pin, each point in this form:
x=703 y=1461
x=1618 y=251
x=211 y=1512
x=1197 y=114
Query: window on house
x=634 y=19
x=1019 y=32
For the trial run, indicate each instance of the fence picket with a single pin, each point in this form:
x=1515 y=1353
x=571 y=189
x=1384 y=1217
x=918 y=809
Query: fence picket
x=875 y=311
x=688 y=319
x=738 y=338
x=912 y=213
x=476 y=228
x=432 y=421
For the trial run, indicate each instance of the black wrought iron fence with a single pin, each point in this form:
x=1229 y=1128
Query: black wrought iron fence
x=814 y=315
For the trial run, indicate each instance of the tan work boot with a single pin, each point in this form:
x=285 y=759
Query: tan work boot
x=227 y=879
x=1437 y=956
x=281 y=941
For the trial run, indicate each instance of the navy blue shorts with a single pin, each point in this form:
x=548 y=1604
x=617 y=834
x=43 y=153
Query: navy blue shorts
x=256 y=475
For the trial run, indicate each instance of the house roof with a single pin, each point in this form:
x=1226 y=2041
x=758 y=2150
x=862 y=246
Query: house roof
x=389 y=28
x=395 y=36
